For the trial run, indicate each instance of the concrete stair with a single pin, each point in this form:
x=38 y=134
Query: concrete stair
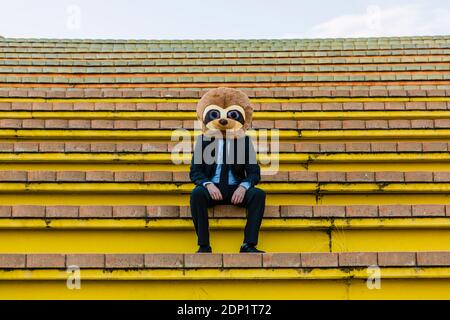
x=88 y=178
x=295 y=275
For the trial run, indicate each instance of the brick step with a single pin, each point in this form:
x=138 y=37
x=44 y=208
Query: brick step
x=314 y=150
x=264 y=110
x=104 y=157
x=183 y=176
x=139 y=45
x=275 y=190
x=272 y=116
x=325 y=87
x=226 y=260
x=239 y=49
x=419 y=275
x=160 y=119
x=178 y=194
x=424 y=60
x=236 y=47
x=224 y=211
x=230 y=52
x=142 y=92
x=160 y=235
x=151 y=46
x=343 y=124
x=199 y=79
x=284 y=135
x=256 y=124
x=410 y=42
x=235 y=69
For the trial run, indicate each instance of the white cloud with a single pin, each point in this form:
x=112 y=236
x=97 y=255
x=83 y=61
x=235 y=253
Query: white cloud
x=406 y=20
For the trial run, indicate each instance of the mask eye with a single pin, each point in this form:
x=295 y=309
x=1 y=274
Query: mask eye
x=212 y=114
x=235 y=115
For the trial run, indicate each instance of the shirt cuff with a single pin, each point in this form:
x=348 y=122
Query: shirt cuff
x=206 y=183
x=245 y=184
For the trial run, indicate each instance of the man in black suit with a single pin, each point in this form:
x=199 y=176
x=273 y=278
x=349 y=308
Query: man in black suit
x=224 y=167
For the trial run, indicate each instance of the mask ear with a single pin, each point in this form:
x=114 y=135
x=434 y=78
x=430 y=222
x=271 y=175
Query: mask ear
x=248 y=117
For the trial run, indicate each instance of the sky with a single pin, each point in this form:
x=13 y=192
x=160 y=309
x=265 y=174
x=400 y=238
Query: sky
x=222 y=19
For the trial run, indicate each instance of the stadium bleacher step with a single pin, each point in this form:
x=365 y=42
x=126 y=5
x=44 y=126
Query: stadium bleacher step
x=361 y=186
x=311 y=275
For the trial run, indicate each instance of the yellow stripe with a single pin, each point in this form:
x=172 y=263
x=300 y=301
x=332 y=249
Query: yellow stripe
x=175 y=198
x=113 y=187
x=366 y=134
x=182 y=239
x=227 y=223
x=349 y=289
x=156 y=158
x=258 y=115
x=223 y=274
x=256 y=100
x=265 y=169
x=154 y=240
x=287 y=162
x=158 y=135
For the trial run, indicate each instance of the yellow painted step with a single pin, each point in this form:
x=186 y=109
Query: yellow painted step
x=179 y=135
x=257 y=115
x=397 y=283
x=178 y=235
x=121 y=166
x=164 y=158
x=48 y=274
x=171 y=198
x=287 y=161
x=273 y=188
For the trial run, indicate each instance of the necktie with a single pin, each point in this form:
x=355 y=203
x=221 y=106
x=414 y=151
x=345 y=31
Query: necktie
x=223 y=182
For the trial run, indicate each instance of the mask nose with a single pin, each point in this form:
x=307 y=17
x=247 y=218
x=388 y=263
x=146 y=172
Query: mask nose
x=223 y=122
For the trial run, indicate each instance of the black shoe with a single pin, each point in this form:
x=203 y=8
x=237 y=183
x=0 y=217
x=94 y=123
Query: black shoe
x=204 y=249
x=249 y=248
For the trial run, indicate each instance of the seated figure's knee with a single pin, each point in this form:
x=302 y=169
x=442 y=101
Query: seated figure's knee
x=257 y=194
x=199 y=193
x=260 y=194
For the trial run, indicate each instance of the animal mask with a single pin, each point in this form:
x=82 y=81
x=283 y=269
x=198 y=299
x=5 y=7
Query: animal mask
x=225 y=111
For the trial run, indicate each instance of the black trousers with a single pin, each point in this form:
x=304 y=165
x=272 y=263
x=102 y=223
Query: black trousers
x=254 y=201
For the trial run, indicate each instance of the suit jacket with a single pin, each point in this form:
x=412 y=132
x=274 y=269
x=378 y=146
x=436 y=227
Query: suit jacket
x=243 y=166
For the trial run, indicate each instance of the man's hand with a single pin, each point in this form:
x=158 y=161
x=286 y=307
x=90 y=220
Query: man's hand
x=238 y=195
x=214 y=191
